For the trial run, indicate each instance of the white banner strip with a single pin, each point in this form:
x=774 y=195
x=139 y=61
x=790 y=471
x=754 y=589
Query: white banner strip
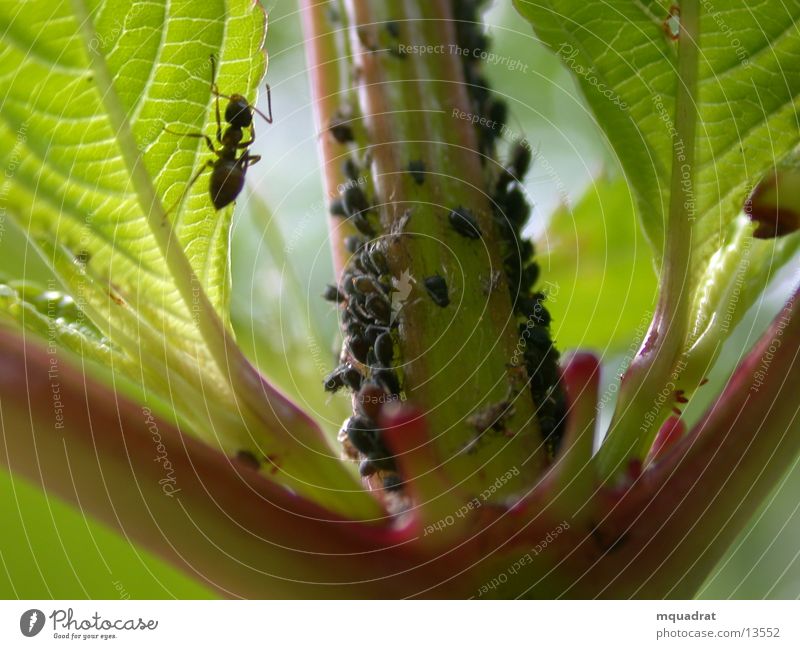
x=403 y=624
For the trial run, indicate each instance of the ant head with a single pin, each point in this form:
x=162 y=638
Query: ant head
x=238 y=113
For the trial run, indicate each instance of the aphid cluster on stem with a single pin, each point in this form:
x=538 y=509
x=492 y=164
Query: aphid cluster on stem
x=511 y=210
x=472 y=41
x=368 y=354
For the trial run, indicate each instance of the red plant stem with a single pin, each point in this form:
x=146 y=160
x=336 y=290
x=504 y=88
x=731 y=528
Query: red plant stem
x=681 y=517
x=224 y=524
x=329 y=96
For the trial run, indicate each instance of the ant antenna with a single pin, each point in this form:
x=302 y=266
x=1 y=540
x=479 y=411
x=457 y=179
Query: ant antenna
x=269 y=107
x=268 y=120
x=217 y=93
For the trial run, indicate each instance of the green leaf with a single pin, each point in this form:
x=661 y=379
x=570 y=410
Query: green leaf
x=748 y=84
x=55 y=317
x=90 y=170
x=70 y=188
x=697 y=123
x=597 y=270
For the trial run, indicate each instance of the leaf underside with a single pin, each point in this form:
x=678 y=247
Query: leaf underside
x=625 y=61
x=70 y=189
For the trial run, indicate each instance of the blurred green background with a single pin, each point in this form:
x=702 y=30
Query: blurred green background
x=596 y=269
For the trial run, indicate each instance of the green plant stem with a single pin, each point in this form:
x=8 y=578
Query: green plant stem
x=456 y=360
x=646 y=394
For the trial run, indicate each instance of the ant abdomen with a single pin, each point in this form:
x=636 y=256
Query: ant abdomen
x=226 y=183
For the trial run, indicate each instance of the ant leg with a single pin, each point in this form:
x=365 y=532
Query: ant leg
x=249 y=160
x=269 y=106
x=207 y=139
x=249 y=143
x=244 y=145
x=268 y=120
x=215 y=92
x=206 y=165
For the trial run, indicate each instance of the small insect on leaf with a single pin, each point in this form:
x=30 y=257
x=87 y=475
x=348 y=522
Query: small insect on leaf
x=233 y=157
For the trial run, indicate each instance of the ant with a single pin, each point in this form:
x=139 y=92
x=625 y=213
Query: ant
x=233 y=156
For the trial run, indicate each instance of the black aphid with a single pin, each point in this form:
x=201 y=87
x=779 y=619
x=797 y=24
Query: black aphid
x=359 y=348
x=416 y=168
x=379 y=307
x=354 y=200
x=518 y=164
x=340 y=129
x=366 y=262
x=350 y=170
x=498 y=114
x=366 y=468
x=381 y=459
x=372 y=361
x=437 y=289
x=384 y=349
x=392 y=482
x=353 y=244
x=333 y=294
x=378 y=259
x=530 y=274
x=546 y=425
x=372 y=332
x=465 y=223
x=347 y=282
x=336 y=207
x=363 y=225
x=344 y=374
x=361 y=433
x=248 y=459
x=515 y=206
x=477 y=86
x=359 y=313
x=366 y=284
x=355 y=329
x=534 y=310
x=387 y=379
x=393 y=28
x=539 y=337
